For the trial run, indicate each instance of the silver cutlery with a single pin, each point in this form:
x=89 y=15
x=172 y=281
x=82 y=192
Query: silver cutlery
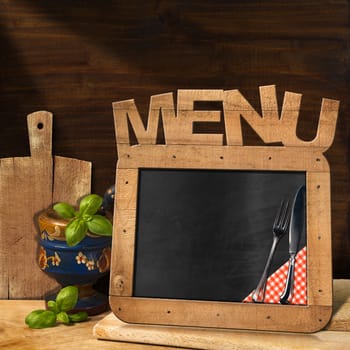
x=296 y=230
x=279 y=229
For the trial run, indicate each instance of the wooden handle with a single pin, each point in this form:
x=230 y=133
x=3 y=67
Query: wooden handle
x=40 y=133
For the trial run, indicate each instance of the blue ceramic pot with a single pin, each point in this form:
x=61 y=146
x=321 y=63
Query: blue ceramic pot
x=81 y=265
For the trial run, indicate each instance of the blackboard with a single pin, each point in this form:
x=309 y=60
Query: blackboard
x=193 y=228
x=206 y=234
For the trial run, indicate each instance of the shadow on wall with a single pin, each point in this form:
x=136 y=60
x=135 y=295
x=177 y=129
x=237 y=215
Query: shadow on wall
x=170 y=45
x=164 y=45
x=15 y=82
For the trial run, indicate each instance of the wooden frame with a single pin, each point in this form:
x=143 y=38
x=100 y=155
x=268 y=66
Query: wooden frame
x=195 y=313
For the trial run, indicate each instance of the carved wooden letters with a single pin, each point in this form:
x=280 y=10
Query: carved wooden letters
x=271 y=125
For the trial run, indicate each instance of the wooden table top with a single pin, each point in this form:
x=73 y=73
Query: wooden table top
x=14 y=334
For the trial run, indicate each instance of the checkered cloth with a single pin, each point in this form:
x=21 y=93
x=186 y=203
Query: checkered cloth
x=276 y=282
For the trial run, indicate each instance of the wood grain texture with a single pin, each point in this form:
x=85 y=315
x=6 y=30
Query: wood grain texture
x=340 y=320
x=15 y=334
x=221 y=157
x=29 y=185
x=25 y=190
x=335 y=336
x=72 y=180
x=190 y=338
x=75 y=59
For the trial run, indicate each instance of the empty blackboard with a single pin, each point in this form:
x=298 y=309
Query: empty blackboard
x=206 y=234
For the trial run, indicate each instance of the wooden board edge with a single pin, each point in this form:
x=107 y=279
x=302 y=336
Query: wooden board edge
x=112 y=329
x=108 y=327
x=225 y=315
x=72 y=179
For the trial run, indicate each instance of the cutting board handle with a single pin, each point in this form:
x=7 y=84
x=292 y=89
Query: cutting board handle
x=40 y=133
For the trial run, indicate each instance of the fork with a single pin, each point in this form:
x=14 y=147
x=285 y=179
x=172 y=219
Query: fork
x=279 y=229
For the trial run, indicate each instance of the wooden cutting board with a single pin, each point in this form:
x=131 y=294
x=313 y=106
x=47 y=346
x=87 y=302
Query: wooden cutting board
x=29 y=185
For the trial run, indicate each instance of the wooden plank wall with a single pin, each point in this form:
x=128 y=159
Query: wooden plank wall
x=74 y=58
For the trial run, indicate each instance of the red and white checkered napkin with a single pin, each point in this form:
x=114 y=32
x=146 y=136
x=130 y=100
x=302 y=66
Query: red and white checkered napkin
x=276 y=282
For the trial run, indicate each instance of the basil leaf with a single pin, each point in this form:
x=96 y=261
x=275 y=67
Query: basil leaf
x=75 y=231
x=87 y=217
x=67 y=298
x=65 y=210
x=90 y=204
x=78 y=317
x=51 y=304
x=63 y=317
x=100 y=225
x=41 y=319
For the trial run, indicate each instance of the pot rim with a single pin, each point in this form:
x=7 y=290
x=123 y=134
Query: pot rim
x=51 y=216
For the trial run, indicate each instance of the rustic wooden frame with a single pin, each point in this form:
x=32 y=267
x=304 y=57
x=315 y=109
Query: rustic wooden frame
x=185 y=150
x=222 y=314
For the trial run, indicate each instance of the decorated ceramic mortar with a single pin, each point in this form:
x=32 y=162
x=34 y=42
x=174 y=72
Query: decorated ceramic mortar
x=81 y=265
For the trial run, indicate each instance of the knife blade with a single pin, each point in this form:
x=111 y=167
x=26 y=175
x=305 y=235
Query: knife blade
x=296 y=231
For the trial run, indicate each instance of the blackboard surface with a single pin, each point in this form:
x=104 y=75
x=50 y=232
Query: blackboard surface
x=206 y=234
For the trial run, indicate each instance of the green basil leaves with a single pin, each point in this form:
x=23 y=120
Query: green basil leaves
x=75 y=231
x=57 y=311
x=84 y=220
x=41 y=319
x=67 y=298
x=90 y=204
x=65 y=210
x=100 y=225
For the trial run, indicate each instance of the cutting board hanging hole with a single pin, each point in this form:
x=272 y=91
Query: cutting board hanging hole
x=40 y=133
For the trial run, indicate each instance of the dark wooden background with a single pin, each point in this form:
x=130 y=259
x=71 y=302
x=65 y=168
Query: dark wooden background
x=74 y=58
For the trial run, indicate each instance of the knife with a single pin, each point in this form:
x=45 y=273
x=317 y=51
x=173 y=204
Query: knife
x=296 y=230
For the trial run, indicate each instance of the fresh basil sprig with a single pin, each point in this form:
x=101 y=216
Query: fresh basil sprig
x=84 y=220
x=57 y=311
